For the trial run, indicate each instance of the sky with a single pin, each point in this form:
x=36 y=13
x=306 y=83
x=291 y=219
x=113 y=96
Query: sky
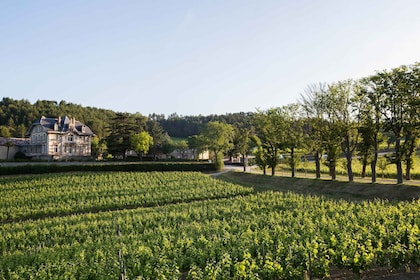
x=197 y=57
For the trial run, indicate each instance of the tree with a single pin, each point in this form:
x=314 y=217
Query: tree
x=123 y=126
x=242 y=143
x=399 y=99
x=158 y=135
x=412 y=123
x=260 y=154
x=168 y=146
x=197 y=145
x=314 y=124
x=342 y=102
x=141 y=143
x=270 y=127
x=20 y=131
x=370 y=117
x=218 y=138
x=5 y=131
x=293 y=133
x=98 y=147
x=332 y=129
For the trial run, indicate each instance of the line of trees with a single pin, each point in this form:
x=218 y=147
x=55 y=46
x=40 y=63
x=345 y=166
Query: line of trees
x=346 y=118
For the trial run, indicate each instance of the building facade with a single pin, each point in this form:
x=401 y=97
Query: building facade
x=58 y=138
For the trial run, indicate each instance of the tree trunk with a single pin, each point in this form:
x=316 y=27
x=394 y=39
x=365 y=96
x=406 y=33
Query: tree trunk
x=292 y=163
x=364 y=169
x=399 y=172
x=333 y=173
x=264 y=171
x=411 y=149
x=317 y=165
x=349 y=167
x=274 y=162
x=332 y=170
x=245 y=162
x=373 y=166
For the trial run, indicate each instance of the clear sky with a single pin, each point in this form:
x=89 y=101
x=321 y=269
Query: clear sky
x=197 y=57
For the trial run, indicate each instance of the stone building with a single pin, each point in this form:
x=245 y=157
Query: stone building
x=58 y=138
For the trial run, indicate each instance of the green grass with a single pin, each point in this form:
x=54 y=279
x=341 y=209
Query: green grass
x=331 y=189
x=178 y=139
x=389 y=172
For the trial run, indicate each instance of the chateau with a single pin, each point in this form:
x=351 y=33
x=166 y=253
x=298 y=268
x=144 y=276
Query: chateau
x=58 y=138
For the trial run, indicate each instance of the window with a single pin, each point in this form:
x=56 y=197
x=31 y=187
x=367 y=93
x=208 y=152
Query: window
x=70 y=138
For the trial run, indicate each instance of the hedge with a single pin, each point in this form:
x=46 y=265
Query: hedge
x=140 y=167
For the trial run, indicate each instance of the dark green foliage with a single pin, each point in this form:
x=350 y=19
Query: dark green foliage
x=132 y=167
x=18 y=115
x=184 y=126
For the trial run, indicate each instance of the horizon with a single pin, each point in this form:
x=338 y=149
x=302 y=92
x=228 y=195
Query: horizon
x=188 y=58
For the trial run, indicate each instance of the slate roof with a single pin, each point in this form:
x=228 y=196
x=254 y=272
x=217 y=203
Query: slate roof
x=65 y=125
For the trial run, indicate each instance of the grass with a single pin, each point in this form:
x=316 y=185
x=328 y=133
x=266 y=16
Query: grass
x=355 y=191
x=178 y=139
x=388 y=172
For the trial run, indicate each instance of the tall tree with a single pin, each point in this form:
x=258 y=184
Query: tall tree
x=399 y=91
x=369 y=99
x=270 y=127
x=314 y=124
x=331 y=131
x=260 y=154
x=412 y=123
x=218 y=137
x=196 y=144
x=243 y=143
x=342 y=98
x=118 y=141
x=293 y=133
x=159 y=136
x=168 y=146
x=98 y=147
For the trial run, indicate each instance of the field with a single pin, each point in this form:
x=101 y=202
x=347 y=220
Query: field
x=188 y=225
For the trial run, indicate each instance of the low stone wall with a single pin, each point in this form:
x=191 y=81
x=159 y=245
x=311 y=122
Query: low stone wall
x=12 y=151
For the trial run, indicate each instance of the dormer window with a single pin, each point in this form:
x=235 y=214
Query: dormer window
x=70 y=138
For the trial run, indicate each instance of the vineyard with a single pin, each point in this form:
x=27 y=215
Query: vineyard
x=189 y=226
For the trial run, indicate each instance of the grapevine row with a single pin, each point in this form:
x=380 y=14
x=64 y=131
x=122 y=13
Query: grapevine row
x=58 y=195
x=263 y=236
